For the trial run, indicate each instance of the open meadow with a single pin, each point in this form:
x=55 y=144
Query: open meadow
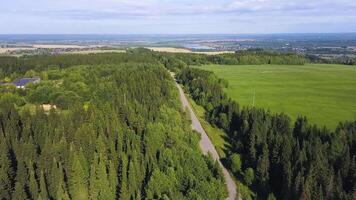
x=326 y=94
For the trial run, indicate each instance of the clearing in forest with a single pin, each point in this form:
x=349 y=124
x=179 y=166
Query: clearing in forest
x=326 y=94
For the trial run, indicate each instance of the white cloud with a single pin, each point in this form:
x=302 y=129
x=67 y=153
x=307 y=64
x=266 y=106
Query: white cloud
x=176 y=15
x=248 y=5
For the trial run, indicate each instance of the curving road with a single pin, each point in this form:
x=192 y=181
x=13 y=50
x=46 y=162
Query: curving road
x=205 y=144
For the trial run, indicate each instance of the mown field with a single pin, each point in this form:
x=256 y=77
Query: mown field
x=326 y=94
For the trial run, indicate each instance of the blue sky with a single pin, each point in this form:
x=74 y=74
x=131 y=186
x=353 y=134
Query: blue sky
x=176 y=16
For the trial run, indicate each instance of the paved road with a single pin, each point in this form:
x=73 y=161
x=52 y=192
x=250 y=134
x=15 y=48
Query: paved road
x=205 y=144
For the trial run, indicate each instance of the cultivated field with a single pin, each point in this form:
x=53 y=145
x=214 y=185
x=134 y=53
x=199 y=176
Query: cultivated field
x=182 y=50
x=72 y=49
x=59 y=46
x=326 y=94
x=6 y=50
x=97 y=51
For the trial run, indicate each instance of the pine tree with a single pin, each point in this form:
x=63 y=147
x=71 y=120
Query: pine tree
x=54 y=178
x=61 y=192
x=113 y=180
x=21 y=184
x=33 y=183
x=262 y=170
x=99 y=186
x=132 y=178
x=5 y=171
x=123 y=186
x=43 y=186
x=77 y=182
x=251 y=147
x=93 y=185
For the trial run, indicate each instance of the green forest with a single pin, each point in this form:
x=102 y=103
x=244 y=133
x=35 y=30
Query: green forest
x=118 y=131
x=176 y=61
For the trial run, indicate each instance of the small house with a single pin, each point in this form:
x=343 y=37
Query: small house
x=21 y=83
x=48 y=107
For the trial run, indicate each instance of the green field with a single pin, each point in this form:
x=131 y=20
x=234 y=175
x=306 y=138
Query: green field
x=326 y=94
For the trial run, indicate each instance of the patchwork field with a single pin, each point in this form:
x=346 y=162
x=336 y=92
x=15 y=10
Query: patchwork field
x=97 y=51
x=182 y=50
x=326 y=94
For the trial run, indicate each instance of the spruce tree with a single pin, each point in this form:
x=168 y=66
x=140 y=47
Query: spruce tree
x=20 y=191
x=33 y=183
x=61 y=190
x=5 y=171
x=77 y=182
x=99 y=186
x=123 y=186
x=43 y=186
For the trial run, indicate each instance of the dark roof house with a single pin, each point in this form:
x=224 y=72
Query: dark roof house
x=21 y=83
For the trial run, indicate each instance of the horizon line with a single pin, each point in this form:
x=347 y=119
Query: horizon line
x=351 y=32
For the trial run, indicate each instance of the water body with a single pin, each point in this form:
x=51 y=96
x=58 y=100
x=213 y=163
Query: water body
x=197 y=47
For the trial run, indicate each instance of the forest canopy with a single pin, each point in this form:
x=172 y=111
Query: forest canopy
x=117 y=132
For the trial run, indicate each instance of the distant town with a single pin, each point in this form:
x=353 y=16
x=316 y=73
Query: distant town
x=336 y=48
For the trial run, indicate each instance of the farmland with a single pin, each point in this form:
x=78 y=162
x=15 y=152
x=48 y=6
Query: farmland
x=182 y=50
x=326 y=94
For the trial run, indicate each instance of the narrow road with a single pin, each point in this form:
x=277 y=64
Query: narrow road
x=205 y=144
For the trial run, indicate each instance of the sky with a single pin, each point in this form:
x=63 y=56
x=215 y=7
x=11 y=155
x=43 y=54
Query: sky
x=176 y=16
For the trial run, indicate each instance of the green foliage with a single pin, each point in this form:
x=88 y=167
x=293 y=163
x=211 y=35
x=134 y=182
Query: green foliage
x=99 y=186
x=77 y=183
x=117 y=132
x=173 y=64
x=2 y=74
x=180 y=60
x=249 y=176
x=160 y=186
x=235 y=163
x=271 y=197
x=5 y=171
x=41 y=95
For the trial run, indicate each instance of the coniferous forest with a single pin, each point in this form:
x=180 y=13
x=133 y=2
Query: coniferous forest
x=116 y=130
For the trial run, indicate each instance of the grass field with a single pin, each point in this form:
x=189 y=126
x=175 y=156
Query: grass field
x=326 y=94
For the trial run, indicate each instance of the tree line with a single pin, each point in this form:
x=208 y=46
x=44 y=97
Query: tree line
x=251 y=57
x=331 y=59
x=276 y=157
x=20 y=65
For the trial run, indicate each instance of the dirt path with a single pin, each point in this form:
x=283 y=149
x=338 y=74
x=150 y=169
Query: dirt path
x=205 y=144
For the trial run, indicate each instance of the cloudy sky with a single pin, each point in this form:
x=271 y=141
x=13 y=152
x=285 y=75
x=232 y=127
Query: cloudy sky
x=176 y=16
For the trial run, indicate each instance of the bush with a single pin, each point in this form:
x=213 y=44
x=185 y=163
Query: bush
x=41 y=94
x=271 y=197
x=249 y=176
x=235 y=163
